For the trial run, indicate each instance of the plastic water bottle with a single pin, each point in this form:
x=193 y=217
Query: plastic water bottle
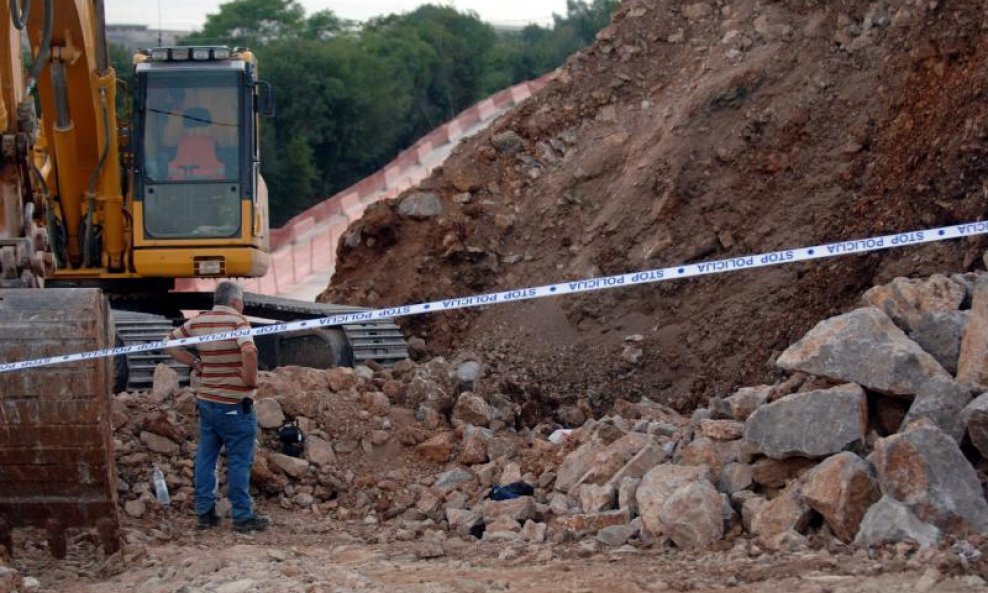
x=160 y=487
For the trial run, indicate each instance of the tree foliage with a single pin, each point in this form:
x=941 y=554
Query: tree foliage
x=350 y=97
x=252 y=23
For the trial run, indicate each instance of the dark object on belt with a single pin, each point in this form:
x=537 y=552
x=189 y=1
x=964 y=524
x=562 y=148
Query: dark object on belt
x=292 y=439
x=247 y=405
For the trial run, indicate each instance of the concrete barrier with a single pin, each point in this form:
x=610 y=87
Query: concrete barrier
x=305 y=246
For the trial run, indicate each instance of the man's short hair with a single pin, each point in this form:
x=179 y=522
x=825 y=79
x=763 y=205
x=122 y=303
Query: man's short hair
x=227 y=292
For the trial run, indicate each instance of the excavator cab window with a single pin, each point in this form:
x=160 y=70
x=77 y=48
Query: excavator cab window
x=192 y=155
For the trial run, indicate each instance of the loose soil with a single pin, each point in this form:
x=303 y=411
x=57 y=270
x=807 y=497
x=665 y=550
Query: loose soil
x=693 y=132
x=305 y=555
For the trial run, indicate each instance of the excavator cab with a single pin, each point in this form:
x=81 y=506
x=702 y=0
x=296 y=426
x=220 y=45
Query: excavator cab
x=199 y=200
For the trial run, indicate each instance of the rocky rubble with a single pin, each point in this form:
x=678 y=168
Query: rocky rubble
x=12 y=582
x=416 y=450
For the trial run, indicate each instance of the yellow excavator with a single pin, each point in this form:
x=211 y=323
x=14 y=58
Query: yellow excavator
x=99 y=217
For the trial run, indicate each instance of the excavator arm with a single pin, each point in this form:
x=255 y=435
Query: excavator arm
x=61 y=173
x=60 y=185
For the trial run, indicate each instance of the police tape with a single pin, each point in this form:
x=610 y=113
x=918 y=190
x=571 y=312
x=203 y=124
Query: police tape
x=733 y=264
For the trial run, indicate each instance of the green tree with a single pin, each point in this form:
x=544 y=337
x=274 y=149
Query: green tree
x=251 y=23
x=534 y=51
x=323 y=25
x=343 y=105
x=440 y=56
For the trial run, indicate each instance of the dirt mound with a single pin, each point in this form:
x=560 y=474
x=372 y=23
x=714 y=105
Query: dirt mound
x=692 y=132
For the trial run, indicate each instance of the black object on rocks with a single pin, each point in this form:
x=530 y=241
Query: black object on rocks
x=292 y=439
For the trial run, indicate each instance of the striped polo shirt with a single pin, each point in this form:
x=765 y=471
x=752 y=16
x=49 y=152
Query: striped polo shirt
x=219 y=379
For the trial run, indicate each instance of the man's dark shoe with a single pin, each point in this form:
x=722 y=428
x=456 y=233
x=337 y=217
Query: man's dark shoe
x=208 y=520
x=255 y=523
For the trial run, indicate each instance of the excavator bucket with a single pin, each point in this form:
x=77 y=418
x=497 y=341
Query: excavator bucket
x=56 y=456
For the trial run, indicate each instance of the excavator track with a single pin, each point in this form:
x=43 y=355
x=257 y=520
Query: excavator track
x=378 y=341
x=139 y=328
x=381 y=342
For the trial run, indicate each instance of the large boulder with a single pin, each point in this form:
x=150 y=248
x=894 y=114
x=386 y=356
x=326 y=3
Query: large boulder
x=941 y=401
x=433 y=385
x=475 y=443
x=594 y=522
x=627 y=489
x=743 y=402
x=164 y=383
x=972 y=363
x=309 y=404
x=319 y=451
x=715 y=454
x=454 y=479
x=306 y=379
x=810 y=424
x=269 y=413
x=377 y=403
x=439 y=448
x=508 y=142
x=786 y=512
x=594 y=498
x=940 y=333
x=166 y=425
x=721 y=430
x=866 y=348
x=616 y=456
x=692 y=517
x=341 y=379
x=468 y=374
x=974 y=419
x=271 y=385
x=293 y=466
x=519 y=509
x=420 y=206
x=471 y=409
x=734 y=478
x=650 y=456
x=841 y=488
x=906 y=300
x=463 y=520
x=889 y=522
x=658 y=485
x=576 y=464
x=160 y=444
x=924 y=469
x=613 y=459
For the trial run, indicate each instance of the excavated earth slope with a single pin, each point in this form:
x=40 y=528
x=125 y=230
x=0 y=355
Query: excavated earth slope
x=689 y=132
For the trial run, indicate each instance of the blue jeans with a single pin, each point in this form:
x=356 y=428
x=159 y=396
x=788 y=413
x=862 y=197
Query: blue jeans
x=219 y=425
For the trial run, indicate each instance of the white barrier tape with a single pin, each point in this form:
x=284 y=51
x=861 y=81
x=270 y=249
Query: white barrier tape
x=733 y=264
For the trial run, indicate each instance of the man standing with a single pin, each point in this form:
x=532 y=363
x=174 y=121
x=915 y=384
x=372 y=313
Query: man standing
x=227 y=378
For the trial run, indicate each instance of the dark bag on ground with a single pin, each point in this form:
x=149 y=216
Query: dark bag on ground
x=292 y=439
x=513 y=490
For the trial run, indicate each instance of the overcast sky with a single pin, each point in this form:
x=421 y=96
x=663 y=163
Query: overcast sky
x=187 y=15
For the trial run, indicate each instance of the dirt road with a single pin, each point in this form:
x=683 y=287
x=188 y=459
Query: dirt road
x=304 y=554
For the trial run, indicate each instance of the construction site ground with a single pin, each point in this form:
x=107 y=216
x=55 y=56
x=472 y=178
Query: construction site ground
x=302 y=555
x=778 y=429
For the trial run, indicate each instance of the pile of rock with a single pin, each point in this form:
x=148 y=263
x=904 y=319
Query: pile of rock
x=871 y=440
x=360 y=426
x=875 y=437
x=12 y=582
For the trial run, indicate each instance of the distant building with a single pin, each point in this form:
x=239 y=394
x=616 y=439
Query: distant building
x=134 y=37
